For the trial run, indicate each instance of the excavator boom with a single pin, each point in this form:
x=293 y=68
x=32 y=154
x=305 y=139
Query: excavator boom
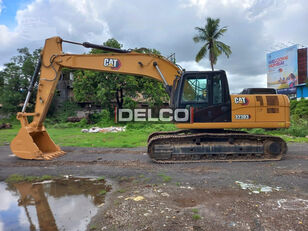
x=33 y=141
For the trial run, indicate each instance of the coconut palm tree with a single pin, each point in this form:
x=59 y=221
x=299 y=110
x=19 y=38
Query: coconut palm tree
x=209 y=35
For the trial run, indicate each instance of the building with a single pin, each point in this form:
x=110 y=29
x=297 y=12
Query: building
x=64 y=91
x=301 y=91
x=302 y=88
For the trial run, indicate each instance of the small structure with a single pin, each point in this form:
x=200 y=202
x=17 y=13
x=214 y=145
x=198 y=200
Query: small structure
x=301 y=91
x=65 y=87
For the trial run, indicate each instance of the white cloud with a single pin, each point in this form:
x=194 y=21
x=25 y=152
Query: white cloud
x=238 y=82
x=253 y=27
x=194 y=66
x=75 y=20
x=66 y=215
x=6 y=198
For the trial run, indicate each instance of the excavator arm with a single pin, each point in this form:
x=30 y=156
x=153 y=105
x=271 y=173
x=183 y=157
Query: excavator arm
x=33 y=141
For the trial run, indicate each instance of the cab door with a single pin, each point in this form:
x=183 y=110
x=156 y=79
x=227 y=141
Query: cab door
x=208 y=94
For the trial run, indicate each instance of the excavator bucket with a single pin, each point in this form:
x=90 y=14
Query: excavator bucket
x=35 y=145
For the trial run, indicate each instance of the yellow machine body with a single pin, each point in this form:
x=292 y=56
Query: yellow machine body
x=252 y=111
x=33 y=141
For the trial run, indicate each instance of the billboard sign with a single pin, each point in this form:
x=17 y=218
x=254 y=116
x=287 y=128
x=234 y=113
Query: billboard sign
x=282 y=70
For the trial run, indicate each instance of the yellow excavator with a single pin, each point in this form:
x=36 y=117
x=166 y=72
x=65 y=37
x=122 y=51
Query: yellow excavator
x=206 y=136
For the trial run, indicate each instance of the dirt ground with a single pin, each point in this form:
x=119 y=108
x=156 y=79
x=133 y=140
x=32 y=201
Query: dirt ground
x=198 y=196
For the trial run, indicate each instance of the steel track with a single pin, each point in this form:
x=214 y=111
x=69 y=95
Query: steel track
x=185 y=147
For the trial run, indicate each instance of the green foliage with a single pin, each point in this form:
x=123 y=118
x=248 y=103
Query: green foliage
x=299 y=109
x=299 y=123
x=72 y=136
x=15 y=79
x=15 y=178
x=194 y=210
x=101 y=119
x=108 y=89
x=299 y=119
x=80 y=124
x=101 y=178
x=209 y=35
x=64 y=111
x=102 y=192
x=46 y=177
x=196 y=216
x=165 y=178
x=121 y=190
x=298 y=128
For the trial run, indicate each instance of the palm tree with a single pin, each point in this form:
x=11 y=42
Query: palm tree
x=209 y=35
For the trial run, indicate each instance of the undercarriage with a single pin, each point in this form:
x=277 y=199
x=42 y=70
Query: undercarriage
x=213 y=145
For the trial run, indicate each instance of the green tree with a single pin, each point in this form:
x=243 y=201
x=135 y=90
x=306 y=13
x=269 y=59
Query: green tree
x=106 y=88
x=209 y=35
x=152 y=90
x=15 y=78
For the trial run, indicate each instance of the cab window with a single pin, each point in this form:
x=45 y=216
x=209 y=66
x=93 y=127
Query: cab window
x=217 y=90
x=195 y=90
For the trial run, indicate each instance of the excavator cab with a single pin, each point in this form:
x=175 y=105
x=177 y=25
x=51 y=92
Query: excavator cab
x=206 y=93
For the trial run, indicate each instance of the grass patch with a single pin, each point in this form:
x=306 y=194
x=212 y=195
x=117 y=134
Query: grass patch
x=195 y=210
x=297 y=132
x=121 y=190
x=136 y=135
x=196 y=216
x=15 y=178
x=102 y=192
x=46 y=177
x=165 y=178
x=101 y=178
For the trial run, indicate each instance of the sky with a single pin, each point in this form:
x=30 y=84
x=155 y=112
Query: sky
x=255 y=27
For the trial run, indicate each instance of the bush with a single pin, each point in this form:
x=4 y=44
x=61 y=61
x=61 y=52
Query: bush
x=299 y=127
x=103 y=117
x=64 y=111
x=300 y=109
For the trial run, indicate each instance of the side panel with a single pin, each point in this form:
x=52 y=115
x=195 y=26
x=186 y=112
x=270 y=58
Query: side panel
x=271 y=108
x=259 y=108
x=243 y=108
x=252 y=111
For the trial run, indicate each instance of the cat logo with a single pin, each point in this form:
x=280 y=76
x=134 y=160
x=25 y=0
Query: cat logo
x=115 y=64
x=241 y=100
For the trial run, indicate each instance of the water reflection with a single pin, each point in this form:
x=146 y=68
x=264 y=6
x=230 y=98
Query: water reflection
x=61 y=204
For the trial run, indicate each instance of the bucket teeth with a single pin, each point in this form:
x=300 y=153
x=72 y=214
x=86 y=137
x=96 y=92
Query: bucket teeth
x=50 y=156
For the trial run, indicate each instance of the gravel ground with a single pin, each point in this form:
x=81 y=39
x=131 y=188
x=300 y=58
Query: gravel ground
x=198 y=196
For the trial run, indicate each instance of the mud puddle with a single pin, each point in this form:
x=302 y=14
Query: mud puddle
x=58 y=204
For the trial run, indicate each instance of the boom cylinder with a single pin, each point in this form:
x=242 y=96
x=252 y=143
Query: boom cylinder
x=33 y=80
